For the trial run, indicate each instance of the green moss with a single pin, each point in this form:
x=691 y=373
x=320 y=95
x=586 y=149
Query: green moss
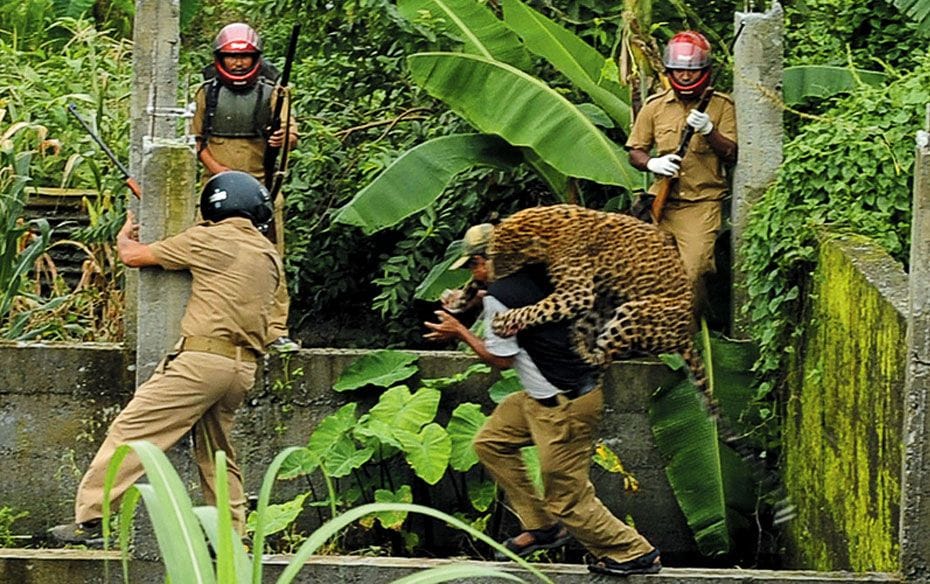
x=843 y=431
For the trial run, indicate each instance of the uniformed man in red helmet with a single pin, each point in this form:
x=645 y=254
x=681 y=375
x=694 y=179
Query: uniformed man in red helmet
x=693 y=211
x=234 y=107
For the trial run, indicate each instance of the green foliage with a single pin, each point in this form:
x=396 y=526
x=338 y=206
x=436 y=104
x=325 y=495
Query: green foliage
x=867 y=34
x=850 y=171
x=712 y=484
x=180 y=527
x=813 y=81
x=8 y=517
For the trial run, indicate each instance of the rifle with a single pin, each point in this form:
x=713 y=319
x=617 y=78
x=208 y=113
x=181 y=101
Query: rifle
x=274 y=174
x=130 y=181
x=665 y=187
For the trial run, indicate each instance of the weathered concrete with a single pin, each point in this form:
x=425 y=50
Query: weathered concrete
x=156 y=45
x=32 y=567
x=915 y=503
x=166 y=209
x=51 y=424
x=757 y=78
x=842 y=434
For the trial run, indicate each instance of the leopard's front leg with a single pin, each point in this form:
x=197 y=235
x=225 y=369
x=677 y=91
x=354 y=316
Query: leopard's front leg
x=555 y=307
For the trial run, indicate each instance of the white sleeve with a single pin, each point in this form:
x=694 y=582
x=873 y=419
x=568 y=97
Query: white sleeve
x=497 y=346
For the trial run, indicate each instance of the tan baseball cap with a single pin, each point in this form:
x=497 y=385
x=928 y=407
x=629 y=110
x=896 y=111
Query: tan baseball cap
x=475 y=242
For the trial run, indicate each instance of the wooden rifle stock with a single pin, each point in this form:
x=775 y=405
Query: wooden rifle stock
x=665 y=187
x=270 y=160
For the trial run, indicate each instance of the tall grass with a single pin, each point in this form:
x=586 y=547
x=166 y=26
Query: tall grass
x=182 y=530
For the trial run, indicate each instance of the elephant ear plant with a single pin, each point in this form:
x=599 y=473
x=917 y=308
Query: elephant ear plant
x=183 y=531
x=400 y=431
x=385 y=454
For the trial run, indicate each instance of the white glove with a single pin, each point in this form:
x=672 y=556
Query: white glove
x=667 y=165
x=700 y=122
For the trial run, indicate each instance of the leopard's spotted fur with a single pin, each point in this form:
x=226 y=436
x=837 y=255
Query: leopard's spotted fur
x=620 y=279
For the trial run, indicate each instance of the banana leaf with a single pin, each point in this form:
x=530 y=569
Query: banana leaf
x=713 y=485
x=416 y=179
x=916 y=10
x=441 y=278
x=815 y=81
x=499 y=99
x=472 y=23
x=572 y=57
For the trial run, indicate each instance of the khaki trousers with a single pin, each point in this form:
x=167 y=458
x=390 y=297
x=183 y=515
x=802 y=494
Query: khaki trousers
x=564 y=437
x=277 y=319
x=695 y=225
x=188 y=391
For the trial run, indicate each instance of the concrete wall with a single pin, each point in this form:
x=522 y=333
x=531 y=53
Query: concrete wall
x=55 y=405
x=843 y=429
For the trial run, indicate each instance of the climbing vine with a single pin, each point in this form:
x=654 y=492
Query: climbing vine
x=849 y=171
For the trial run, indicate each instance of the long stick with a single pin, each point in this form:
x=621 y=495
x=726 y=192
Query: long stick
x=130 y=181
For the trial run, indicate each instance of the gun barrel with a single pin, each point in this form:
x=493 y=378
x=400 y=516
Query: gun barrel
x=103 y=146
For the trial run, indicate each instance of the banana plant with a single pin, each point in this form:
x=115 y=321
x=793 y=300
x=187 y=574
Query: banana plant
x=712 y=483
x=490 y=86
x=918 y=11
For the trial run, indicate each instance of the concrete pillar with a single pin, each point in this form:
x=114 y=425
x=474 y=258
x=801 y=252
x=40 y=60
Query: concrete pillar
x=915 y=482
x=156 y=40
x=167 y=209
x=757 y=78
x=165 y=168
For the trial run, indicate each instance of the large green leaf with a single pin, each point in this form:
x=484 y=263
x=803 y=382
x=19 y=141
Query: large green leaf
x=820 y=81
x=381 y=368
x=343 y=457
x=391 y=519
x=455 y=378
x=481 y=494
x=427 y=452
x=180 y=540
x=687 y=438
x=441 y=278
x=465 y=422
x=331 y=430
x=278 y=517
x=472 y=23
x=713 y=485
x=404 y=411
x=918 y=11
x=414 y=181
x=572 y=56
x=508 y=383
x=499 y=99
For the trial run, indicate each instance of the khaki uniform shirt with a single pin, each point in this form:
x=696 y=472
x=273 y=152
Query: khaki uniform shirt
x=245 y=154
x=235 y=271
x=660 y=124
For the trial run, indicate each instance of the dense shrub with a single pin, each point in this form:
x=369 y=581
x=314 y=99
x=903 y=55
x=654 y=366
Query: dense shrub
x=850 y=170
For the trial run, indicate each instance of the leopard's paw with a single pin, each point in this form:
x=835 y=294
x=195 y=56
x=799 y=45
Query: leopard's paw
x=504 y=326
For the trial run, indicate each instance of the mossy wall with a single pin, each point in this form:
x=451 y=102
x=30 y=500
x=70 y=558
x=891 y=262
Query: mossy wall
x=843 y=428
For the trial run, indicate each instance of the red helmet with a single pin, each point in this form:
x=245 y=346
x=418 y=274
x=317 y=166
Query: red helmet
x=688 y=50
x=237 y=39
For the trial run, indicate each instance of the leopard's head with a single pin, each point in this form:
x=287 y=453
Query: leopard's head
x=514 y=244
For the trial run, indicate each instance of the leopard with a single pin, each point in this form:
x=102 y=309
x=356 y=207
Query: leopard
x=620 y=281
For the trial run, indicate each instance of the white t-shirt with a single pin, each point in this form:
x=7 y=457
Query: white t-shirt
x=532 y=380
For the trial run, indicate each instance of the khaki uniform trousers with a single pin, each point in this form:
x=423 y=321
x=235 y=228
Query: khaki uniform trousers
x=564 y=436
x=277 y=319
x=192 y=390
x=695 y=225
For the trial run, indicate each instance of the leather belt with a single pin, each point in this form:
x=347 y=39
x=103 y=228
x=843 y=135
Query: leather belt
x=553 y=401
x=220 y=347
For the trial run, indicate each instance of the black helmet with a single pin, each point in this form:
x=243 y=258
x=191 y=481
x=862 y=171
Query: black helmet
x=236 y=194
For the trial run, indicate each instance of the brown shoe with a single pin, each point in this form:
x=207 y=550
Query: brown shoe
x=542 y=539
